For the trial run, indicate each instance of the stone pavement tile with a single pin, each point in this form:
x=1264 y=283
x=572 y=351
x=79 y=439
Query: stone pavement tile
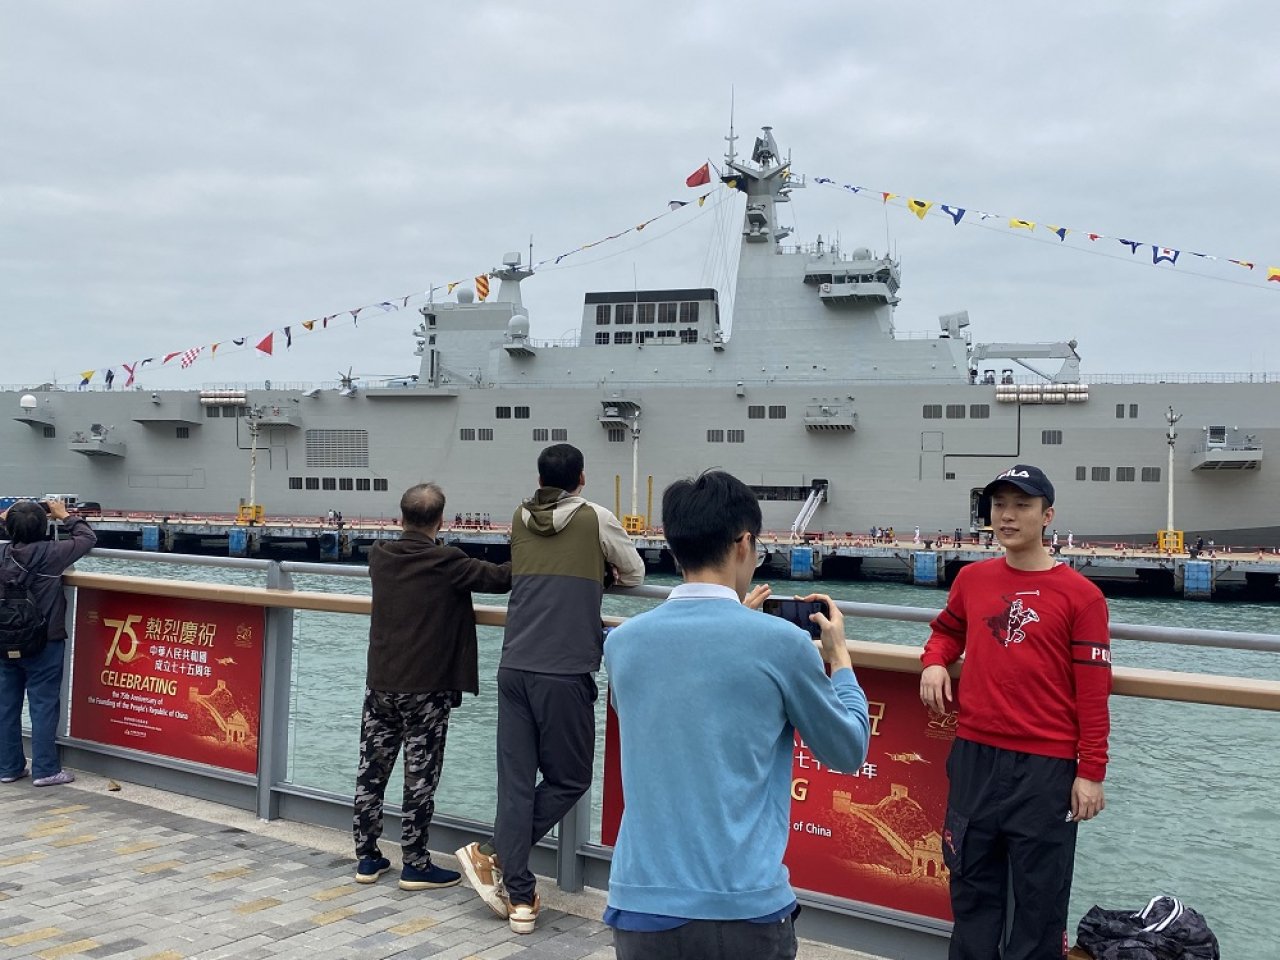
x=114 y=948
x=76 y=947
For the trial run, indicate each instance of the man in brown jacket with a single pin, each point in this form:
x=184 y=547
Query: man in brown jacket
x=422 y=657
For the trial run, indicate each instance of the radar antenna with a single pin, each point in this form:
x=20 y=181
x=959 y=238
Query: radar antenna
x=731 y=155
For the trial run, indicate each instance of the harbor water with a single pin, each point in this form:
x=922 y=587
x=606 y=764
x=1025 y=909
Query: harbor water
x=1192 y=791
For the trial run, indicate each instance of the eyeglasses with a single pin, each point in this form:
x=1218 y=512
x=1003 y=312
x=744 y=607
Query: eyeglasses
x=762 y=553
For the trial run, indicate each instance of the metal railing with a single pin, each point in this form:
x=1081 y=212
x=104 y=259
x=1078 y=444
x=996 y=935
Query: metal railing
x=572 y=857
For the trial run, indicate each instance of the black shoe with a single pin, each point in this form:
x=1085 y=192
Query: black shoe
x=369 y=869
x=432 y=878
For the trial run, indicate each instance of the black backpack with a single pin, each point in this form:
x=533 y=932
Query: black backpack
x=1165 y=929
x=23 y=630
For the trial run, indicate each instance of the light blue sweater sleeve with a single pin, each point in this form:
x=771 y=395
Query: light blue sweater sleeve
x=831 y=714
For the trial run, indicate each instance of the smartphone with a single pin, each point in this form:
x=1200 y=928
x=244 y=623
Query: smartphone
x=797 y=612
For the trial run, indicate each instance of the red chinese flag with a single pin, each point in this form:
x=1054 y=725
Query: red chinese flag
x=699 y=177
x=265 y=344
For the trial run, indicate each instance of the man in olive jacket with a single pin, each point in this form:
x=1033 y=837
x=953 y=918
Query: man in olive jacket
x=422 y=658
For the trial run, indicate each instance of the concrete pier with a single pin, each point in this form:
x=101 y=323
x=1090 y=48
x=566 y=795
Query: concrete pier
x=831 y=558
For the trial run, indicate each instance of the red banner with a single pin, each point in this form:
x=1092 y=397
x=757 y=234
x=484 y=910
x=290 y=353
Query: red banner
x=178 y=678
x=872 y=834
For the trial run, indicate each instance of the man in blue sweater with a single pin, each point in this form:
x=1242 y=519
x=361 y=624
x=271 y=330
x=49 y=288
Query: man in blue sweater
x=709 y=694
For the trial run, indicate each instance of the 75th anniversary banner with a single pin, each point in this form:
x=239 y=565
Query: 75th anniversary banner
x=178 y=678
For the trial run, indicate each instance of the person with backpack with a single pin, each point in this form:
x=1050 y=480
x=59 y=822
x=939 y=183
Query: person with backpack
x=31 y=572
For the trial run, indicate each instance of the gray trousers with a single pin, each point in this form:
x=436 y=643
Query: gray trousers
x=547 y=723
x=710 y=940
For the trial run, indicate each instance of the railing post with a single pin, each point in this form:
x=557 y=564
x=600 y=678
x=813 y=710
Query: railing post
x=575 y=828
x=277 y=676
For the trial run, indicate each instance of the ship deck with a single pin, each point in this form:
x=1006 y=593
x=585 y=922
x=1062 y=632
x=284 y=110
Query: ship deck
x=142 y=873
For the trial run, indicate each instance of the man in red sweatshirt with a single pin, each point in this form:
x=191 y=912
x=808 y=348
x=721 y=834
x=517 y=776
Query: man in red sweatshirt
x=1031 y=743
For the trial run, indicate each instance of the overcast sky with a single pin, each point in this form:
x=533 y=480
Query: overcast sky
x=175 y=174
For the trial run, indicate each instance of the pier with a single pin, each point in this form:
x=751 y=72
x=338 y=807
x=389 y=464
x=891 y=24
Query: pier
x=822 y=556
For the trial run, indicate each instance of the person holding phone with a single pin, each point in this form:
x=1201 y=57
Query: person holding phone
x=38 y=563
x=1030 y=752
x=709 y=693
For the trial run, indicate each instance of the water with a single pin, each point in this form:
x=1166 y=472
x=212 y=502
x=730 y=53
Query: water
x=1192 y=791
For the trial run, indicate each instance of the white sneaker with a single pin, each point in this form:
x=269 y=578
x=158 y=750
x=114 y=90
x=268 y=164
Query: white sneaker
x=524 y=916
x=482 y=873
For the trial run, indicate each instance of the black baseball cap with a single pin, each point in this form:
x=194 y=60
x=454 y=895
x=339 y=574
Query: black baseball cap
x=1026 y=478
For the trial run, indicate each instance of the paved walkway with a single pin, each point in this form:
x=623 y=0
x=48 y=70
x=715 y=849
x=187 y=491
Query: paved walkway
x=142 y=874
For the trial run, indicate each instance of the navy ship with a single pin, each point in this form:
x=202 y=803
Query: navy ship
x=838 y=421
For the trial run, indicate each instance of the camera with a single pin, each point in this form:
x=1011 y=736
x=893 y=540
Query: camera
x=798 y=612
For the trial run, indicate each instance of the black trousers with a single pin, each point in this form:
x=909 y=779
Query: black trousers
x=710 y=940
x=1008 y=820
x=547 y=723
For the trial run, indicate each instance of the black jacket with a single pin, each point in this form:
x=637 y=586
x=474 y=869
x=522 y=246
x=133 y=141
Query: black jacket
x=45 y=561
x=422 y=634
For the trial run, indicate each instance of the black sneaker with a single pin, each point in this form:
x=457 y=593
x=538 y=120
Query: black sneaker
x=432 y=878
x=369 y=869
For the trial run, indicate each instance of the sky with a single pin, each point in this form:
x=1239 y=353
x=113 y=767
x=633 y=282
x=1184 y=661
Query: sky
x=178 y=174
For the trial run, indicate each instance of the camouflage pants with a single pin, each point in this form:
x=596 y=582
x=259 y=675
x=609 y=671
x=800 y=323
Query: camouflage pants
x=419 y=721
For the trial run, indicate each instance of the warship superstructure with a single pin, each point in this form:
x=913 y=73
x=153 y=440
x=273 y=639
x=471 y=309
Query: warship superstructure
x=839 y=422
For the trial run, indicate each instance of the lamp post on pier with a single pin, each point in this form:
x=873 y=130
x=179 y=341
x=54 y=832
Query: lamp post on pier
x=1172 y=541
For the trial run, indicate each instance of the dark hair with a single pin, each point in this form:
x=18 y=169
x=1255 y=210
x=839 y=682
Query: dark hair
x=422 y=506
x=26 y=522
x=560 y=465
x=702 y=517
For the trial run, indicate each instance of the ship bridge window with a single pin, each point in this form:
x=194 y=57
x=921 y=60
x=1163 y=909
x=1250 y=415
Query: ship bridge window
x=602 y=314
x=1125 y=474
x=932 y=411
x=1218 y=435
x=485 y=433
x=617 y=435
x=668 y=312
x=466 y=433
x=955 y=411
x=183 y=433
x=362 y=483
x=623 y=336
x=212 y=413
x=346 y=483
x=50 y=433
x=1133 y=411
x=689 y=335
x=1150 y=474
x=666 y=334
x=502 y=413
x=328 y=483
x=1119 y=411
x=295 y=483
x=541 y=435
x=560 y=435
x=755 y=411
x=643 y=335
x=337 y=448
x=979 y=411
x=379 y=485
x=715 y=436
x=602 y=337
x=778 y=412
x=644 y=312
x=624 y=313
x=313 y=483
x=1082 y=473
x=522 y=413
x=736 y=436
x=1100 y=473
x=782 y=493
x=688 y=313
x=1051 y=437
